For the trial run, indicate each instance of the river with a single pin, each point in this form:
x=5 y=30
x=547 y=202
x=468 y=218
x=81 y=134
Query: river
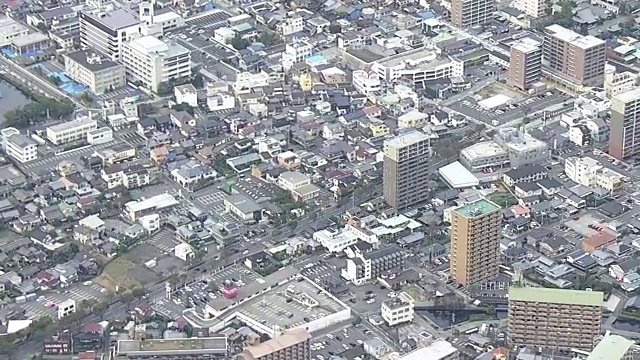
x=11 y=99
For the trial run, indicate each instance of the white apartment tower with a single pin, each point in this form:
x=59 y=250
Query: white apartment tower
x=153 y=62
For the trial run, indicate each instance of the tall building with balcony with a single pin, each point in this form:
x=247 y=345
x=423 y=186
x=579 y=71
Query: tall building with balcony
x=574 y=60
x=153 y=62
x=406 y=169
x=475 y=242
x=398 y=310
x=468 y=13
x=624 y=141
x=292 y=345
x=555 y=319
x=525 y=64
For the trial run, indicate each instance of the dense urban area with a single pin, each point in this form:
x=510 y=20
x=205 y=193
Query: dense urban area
x=320 y=180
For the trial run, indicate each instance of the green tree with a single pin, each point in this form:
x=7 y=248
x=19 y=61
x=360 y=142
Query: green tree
x=184 y=107
x=239 y=43
x=101 y=308
x=138 y=292
x=126 y=297
x=269 y=39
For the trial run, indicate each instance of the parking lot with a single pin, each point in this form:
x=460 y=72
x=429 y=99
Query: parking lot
x=48 y=161
x=348 y=339
x=165 y=241
x=46 y=305
x=318 y=273
x=213 y=201
x=208 y=20
x=119 y=94
x=256 y=189
x=132 y=138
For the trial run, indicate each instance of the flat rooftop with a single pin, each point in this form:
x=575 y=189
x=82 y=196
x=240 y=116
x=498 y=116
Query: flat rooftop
x=611 y=347
x=526 y=45
x=477 y=208
x=412 y=57
x=407 y=139
x=439 y=349
x=72 y=124
x=556 y=296
x=628 y=96
x=114 y=20
x=288 y=339
x=570 y=36
x=159 y=346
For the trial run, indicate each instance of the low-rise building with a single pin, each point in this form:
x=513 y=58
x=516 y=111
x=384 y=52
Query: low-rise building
x=590 y=172
x=66 y=308
x=291 y=345
x=243 y=208
x=98 y=74
x=613 y=347
x=75 y=130
x=367 y=266
x=30 y=44
x=11 y=29
x=186 y=94
x=18 y=146
x=398 y=310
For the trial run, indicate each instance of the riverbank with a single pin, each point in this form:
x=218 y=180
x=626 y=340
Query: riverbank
x=13 y=97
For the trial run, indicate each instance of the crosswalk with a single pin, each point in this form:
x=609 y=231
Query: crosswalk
x=51 y=161
x=163 y=307
x=132 y=138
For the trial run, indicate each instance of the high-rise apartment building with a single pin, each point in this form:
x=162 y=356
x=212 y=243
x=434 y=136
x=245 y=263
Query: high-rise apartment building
x=624 y=141
x=572 y=58
x=554 y=318
x=467 y=13
x=475 y=242
x=525 y=63
x=405 y=170
x=292 y=345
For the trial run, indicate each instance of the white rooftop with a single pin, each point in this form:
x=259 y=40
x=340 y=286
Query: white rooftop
x=159 y=202
x=570 y=36
x=439 y=349
x=484 y=149
x=526 y=45
x=628 y=96
x=457 y=176
x=154 y=46
x=72 y=124
x=494 y=101
x=407 y=139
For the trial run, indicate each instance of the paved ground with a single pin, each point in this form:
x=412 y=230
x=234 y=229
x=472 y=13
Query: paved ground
x=132 y=138
x=212 y=202
x=50 y=161
x=338 y=341
x=165 y=241
x=77 y=292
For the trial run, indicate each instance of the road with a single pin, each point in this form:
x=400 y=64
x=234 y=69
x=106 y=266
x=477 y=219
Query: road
x=488 y=45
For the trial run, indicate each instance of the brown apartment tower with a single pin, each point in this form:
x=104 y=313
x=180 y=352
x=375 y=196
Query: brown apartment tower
x=405 y=173
x=554 y=319
x=525 y=64
x=291 y=345
x=624 y=141
x=468 y=13
x=475 y=242
x=573 y=58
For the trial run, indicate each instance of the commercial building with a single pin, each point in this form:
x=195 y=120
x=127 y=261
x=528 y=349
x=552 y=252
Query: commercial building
x=100 y=136
x=475 y=242
x=30 y=44
x=152 y=205
x=532 y=8
x=291 y=345
x=153 y=62
x=484 y=155
x=367 y=83
x=18 y=146
x=243 y=208
x=468 y=13
x=406 y=169
x=11 y=29
x=525 y=64
x=415 y=67
x=573 y=59
x=366 y=266
x=522 y=148
x=617 y=82
x=624 y=141
x=613 y=347
x=212 y=348
x=107 y=32
x=590 y=172
x=398 y=310
x=66 y=308
x=296 y=52
x=547 y=318
x=88 y=68
x=74 y=130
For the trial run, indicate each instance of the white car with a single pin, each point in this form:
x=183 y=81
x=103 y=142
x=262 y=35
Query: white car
x=360 y=342
x=330 y=336
x=245 y=252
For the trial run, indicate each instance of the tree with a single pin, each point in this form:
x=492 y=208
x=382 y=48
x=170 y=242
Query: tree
x=198 y=81
x=164 y=89
x=126 y=297
x=269 y=39
x=183 y=107
x=100 y=309
x=239 y=43
x=138 y=292
x=335 y=29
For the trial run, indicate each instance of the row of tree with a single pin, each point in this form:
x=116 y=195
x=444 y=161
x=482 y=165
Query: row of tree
x=40 y=110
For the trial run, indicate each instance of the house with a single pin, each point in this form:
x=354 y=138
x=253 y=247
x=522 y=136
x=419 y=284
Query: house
x=553 y=246
x=193 y=174
x=530 y=173
x=527 y=189
x=598 y=241
x=621 y=270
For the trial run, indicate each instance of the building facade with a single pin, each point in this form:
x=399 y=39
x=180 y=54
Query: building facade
x=398 y=310
x=100 y=75
x=368 y=266
x=18 y=146
x=624 y=141
x=106 y=32
x=468 y=13
x=546 y=318
x=475 y=242
x=70 y=131
x=525 y=64
x=573 y=59
x=292 y=345
x=591 y=173
x=153 y=62
x=405 y=169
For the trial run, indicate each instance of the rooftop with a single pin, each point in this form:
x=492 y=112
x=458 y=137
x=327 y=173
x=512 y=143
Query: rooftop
x=484 y=149
x=114 y=20
x=480 y=207
x=33 y=38
x=439 y=349
x=159 y=346
x=526 y=45
x=151 y=45
x=556 y=296
x=159 y=201
x=243 y=204
x=91 y=61
x=570 y=36
x=628 y=96
x=611 y=347
x=281 y=342
x=72 y=124
x=407 y=139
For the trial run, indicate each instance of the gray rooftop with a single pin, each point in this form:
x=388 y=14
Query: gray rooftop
x=114 y=20
x=91 y=61
x=244 y=204
x=21 y=140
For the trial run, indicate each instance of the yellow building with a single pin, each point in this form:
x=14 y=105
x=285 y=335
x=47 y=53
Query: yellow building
x=379 y=129
x=306 y=82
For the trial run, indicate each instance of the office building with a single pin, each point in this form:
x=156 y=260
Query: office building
x=18 y=146
x=153 y=62
x=406 y=169
x=398 y=310
x=99 y=75
x=554 y=319
x=210 y=348
x=366 y=266
x=468 y=13
x=573 y=59
x=533 y=8
x=613 y=347
x=525 y=64
x=624 y=141
x=591 y=173
x=66 y=308
x=291 y=345
x=70 y=131
x=107 y=32
x=10 y=30
x=475 y=242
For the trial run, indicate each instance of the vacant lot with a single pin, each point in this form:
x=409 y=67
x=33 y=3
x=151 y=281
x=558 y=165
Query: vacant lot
x=504 y=199
x=499 y=89
x=117 y=274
